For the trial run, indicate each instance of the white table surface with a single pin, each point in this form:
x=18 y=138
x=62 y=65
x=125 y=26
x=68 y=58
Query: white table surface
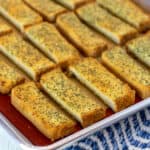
x=6 y=141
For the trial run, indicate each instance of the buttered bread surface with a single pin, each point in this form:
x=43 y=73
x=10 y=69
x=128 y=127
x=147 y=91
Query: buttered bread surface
x=82 y=58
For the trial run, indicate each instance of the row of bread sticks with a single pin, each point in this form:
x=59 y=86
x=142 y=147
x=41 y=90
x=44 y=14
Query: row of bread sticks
x=27 y=98
x=47 y=38
x=57 y=49
x=49 y=41
x=130 y=19
x=22 y=15
x=75 y=98
x=87 y=40
x=66 y=91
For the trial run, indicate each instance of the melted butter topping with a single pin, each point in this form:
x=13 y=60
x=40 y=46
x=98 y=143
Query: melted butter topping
x=100 y=18
x=60 y=86
x=41 y=106
x=24 y=52
x=128 y=66
x=20 y=12
x=95 y=74
x=53 y=43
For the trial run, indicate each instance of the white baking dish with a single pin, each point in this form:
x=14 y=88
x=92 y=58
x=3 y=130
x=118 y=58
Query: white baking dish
x=25 y=144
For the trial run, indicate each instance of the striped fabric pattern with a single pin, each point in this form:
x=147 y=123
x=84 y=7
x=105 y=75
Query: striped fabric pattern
x=132 y=133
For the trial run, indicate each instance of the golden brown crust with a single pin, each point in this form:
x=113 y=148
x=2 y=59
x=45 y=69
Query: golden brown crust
x=47 y=8
x=129 y=69
x=93 y=116
x=73 y=97
x=127 y=37
x=19 y=14
x=145 y=25
x=115 y=93
x=127 y=100
x=47 y=38
x=6 y=85
x=9 y=77
x=140 y=48
x=4 y=27
x=130 y=12
x=41 y=111
x=111 y=26
x=24 y=55
x=72 y=4
x=89 y=42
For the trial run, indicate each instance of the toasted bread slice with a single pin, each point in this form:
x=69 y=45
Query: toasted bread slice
x=72 y=4
x=114 y=92
x=24 y=55
x=18 y=13
x=9 y=77
x=12 y=65
x=45 y=115
x=129 y=69
x=128 y=11
x=140 y=48
x=4 y=27
x=90 y=42
x=47 y=8
x=111 y=26
x=46 y=37
x=74 y=98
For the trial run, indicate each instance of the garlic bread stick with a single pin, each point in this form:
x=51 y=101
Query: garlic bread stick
x=90 y=42
x=9 y=77
x=81 y=104
x=111 y=26
x=128 y=11
x=24 y=55
x=18 y=13
x=114 y=92
x=44 y=114
x=140 y=48
x=129 y=69
x=47 y=8
x=46 y=37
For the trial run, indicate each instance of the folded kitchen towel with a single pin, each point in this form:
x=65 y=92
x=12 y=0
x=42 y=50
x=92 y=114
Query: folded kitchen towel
x=132 y=133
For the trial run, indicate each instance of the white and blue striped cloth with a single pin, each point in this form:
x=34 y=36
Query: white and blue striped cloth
x=132 y=133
